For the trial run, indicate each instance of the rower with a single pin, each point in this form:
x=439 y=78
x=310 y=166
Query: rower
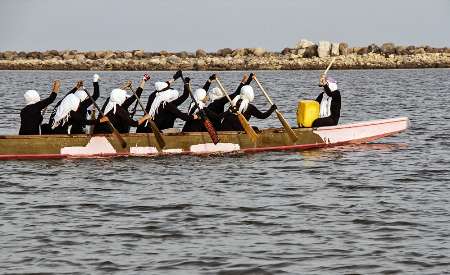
x=159 y=87
x=85 y=103
x=330 y=103
x=66 y=115
x=116 y=111
x=242 y=103
x=164 y=108
x=200 y=96
x=218 y=100
x=31 y=115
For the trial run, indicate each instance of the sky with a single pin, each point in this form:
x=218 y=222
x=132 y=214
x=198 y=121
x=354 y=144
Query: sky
x=182 y=25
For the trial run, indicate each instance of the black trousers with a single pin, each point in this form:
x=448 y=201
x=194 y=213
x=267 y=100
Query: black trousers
x=324 y=121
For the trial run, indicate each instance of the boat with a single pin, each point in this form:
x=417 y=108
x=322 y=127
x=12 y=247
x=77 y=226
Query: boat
x=14 y=147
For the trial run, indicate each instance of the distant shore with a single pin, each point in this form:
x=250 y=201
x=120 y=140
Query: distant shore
x=304 y=56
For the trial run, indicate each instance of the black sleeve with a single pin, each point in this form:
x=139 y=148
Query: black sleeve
x=174 y=110
x=252 y=110
x=104 y=105
x=132 y=98
x=45 y=102
x=212 y=115
x=74 y=89
x=206 y=86
x=327 y=90
x=150 y=100
x=96 y=93
x=177 y=102
x=319 y=98
x=249 y=80
x=125 y=118
x=238 y=90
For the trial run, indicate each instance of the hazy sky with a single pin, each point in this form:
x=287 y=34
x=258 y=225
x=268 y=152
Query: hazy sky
x=188 y=25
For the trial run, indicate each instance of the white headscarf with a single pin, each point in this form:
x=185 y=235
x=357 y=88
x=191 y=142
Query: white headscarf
x=81 y=94
x=325 y=104
x=159 y=86
x=117 y=97
x=199 y=95
x=162 y=98
x=31 y=97
x=215 y=94
x=246 y=95
x=68 y=104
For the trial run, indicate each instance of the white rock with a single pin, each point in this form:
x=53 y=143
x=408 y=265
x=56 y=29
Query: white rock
x=324 y=48
x=334 y=49
x=303 y=44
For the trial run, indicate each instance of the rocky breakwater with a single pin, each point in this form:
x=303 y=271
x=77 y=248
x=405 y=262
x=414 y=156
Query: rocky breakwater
x=306 y=55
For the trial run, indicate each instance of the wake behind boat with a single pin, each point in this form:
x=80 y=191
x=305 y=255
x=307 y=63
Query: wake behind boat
x=195 y=143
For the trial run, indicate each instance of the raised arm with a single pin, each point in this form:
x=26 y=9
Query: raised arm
x=49 y=100
x=252 y=110
x=177 y=102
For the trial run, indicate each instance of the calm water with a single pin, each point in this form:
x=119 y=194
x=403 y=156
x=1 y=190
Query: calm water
x=380 y=208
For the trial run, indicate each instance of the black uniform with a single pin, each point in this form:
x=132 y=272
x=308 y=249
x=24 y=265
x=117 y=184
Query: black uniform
x=165 y=117
x=121 y=119
x=77 y=127
x=335 y=108
x=46 y=128
x=197 y=125
x=75 y=118
x=31 y=116
x=231 y=121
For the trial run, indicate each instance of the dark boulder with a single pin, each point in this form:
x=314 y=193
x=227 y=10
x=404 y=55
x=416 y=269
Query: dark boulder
x=343 y=48
x=311 y=52
x=388 y=48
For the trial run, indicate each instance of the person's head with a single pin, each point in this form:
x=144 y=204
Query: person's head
x=216 y=93
x=70 y=103
x=161 y=86
x=200 y=95
x=31 y=97
x=247 y=93
x=162 y=98
x=118 y=96
x=81 y=94
x=332 y=83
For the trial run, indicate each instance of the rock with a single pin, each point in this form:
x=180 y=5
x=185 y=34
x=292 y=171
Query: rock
x=363 y=51
x=400 y=50
x=35 y=55
x=90 y=55
x=388 y=48
x=373 y=48
x=200 y=53
x=22 y=55
x=100 y=54
x=52 y=52
x=68 y=56
x=80 y=57
x=419 y=51
x=164 y=53
x=138 y=53
x=238 y=52
x=343 y=48
x=300 y=52
x=410 y=50
x=224 y=52
x=127 y=55
x=286 y=51
x=334 y=49
x=303 y=44
x=311 y=52
x=182 y=54
x=259 y=51
x=109 y=55
x=324 y=49
x=173 y=59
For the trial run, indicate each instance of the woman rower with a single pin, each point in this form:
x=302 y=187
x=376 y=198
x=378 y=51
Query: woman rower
x=31 y=115
x=116 y=111
x=164 y=108
x=85 y=103
x=218 y=100
x=242 y=103
x=330 y=103
x=66 y=115
x=159 y=87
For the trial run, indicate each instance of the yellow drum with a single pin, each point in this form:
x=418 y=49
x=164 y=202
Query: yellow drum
x=307 y=112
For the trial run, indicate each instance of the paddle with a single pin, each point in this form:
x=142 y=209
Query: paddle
x=160 y=143
x=280 y=116
x=204 y=118
x=115 y=133
x=247 y=128
x=329 y=66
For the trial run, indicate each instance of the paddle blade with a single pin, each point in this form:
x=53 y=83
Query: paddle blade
x=160 y=143
x=117 y=135
x=286 y=126
x=247 y=128
x=211 y=131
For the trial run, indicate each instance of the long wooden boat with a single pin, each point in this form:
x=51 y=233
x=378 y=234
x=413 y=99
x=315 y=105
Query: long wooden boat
x=94 y=146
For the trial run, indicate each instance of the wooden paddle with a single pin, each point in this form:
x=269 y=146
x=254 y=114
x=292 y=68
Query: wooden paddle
x=160 y=143
x=247 y=128
x=280 y=116
x=206 y=122
x=115 y=133
x=329 y=66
